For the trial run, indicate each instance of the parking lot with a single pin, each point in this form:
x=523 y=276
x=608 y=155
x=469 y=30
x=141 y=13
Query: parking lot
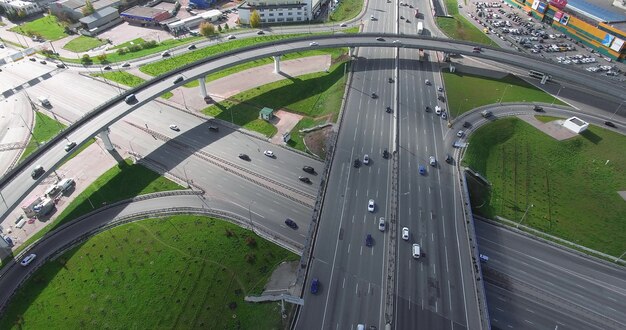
x=500 y=20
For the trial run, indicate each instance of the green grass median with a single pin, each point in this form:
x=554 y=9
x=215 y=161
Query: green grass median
x=48 y=27
x=572 y=185
x=467 y=91
x=127 y=79
x=45 y=129
x=458 y=27
x=182 y=272
x=83 y=44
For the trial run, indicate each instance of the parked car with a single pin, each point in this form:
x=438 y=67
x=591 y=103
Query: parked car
x=291 y=224
x=315 y=284
x=405 y=233
x=29 y=258
x=244 y=157
x=308 y=169
x=69 y=146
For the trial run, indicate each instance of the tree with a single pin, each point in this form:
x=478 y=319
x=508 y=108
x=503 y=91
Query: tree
x=88 y=9
x=102 y=57
x=219 y=28
x=86 y=59
x=226 y=26
x=255 y=19
x=207 y=29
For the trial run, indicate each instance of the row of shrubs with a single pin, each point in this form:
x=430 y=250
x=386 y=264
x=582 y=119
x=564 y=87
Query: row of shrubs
x=137 y=47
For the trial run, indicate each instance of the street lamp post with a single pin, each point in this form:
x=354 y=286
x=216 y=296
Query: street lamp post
x=528 y=208
x=250 y=215
x=186 y=178
x=616 y=110
x=557 y=95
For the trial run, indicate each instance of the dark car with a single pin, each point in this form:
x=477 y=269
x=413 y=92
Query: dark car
x=244 y=157
x=37 y=172
x=61 y=66
x=178 y=79
x=291 y=224
x=43 y=62
x=107 y=68
x=131 y=99
x=427 y=109
x=449 y=159
x=422 y=169
x=304 y=179
x=191 y=47
x=8 y=240
x=315 y=286
x=390 y=80
x=369 y=241
x=32 y=59
x=208 y=99
x=441 y=98
x=214 y=128
x=538 y=108
x=467 y=124
x=357 y=163
x=388 y=110
x=609 y=124
x=260 y=32
x=385 y=154
x=374 y=96
x=308 y=169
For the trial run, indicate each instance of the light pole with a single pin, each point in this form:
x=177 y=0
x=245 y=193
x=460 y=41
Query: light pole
x=528 y=208
x=250 y=215
x=616 y=110
x=620 y=257
x=186 y=178
x=557 y=95
x=507 y=86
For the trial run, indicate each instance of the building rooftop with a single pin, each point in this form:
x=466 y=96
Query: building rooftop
x=598 y=10
x=98 y=15
x=143 y=11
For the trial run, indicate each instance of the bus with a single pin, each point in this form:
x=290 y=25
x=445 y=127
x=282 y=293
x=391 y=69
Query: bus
x=539 y=75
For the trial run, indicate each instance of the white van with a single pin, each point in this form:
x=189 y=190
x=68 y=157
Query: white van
x=360 y=327
x=416 y=251
x=65 y=184
x=44 y=101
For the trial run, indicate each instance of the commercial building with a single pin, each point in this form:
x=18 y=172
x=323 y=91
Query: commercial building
x=145 y=16
x=73 y=9
x=193 y=21
x=597 y=25
x=276 y=11
x=101 y=20
x=29 y=8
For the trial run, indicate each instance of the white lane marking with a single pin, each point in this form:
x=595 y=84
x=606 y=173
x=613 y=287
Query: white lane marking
x=500 y=309
x=444 y=227
x=356 y=291
x=450 y=295
x=528 y=310
x=369 y=287
x=343 y=283
x=349 y=245
x=361 y=252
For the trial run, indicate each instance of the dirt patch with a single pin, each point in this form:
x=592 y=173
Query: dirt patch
x=555 y=128
x=284 y=122
x=317 y=141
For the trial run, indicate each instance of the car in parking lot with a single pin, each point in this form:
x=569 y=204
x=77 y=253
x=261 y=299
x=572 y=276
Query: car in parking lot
x=315 y=285
x=371 y=205
x=369 y=241
x=28 y=259
x=381 y=224
x=308 y=169
x=269 y=153
x=366 y=159
x=70 y=145
x=405 y=233
x=422 y=169
x=174 y=128
x=244 y=157
x=291 y=224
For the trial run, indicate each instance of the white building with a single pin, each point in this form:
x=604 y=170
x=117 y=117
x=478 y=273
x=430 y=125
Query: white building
x=276 y=11
x=193 y=21
x=576 y=125
x=29 y=8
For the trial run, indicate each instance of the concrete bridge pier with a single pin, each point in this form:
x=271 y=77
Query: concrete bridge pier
x=202 y=84
x=351 y=51
x=104 y=136
x=276 y=64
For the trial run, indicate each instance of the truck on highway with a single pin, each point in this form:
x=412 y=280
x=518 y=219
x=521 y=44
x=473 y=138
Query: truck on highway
x=420 y=28
x=421 y=55
x=44 y=101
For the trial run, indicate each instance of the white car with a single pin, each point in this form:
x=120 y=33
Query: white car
x=405 y=233
x=231 y=37
x=372 y=17
x=174 y=128
x=269 y=153
x=437 y=109
x=440 y=89
x=381 y=224
x=427 y=82
x=343 y=25
x=29 y=258
x=313 y=44
x=432 y=161
x=370 y=205
x=460 y=133
x=366 y=159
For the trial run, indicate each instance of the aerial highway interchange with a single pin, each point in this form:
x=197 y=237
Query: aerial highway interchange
x=438 y=290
